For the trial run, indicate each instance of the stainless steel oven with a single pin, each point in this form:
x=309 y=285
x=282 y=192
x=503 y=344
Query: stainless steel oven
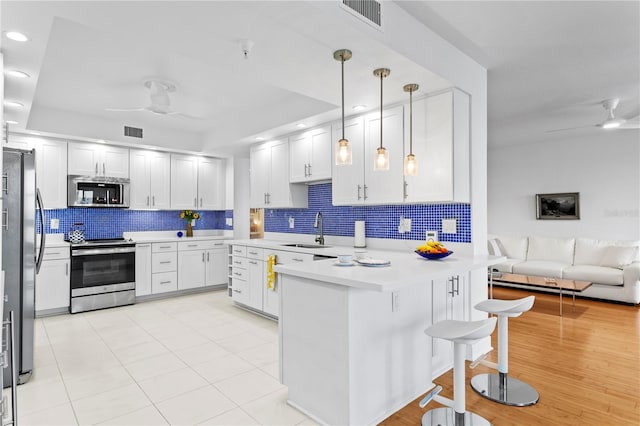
x=102 y=274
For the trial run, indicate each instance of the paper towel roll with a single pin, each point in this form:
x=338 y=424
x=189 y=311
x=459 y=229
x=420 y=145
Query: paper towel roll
x=358 y=234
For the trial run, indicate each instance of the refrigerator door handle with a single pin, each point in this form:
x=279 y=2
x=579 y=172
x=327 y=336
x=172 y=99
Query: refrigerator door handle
x=43 y=234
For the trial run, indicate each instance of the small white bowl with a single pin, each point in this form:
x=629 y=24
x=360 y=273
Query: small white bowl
x=345 y=258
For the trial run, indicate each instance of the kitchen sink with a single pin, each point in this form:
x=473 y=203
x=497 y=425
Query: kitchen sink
x=310 y=246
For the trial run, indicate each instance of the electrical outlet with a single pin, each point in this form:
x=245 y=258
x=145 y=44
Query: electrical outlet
x=431 y=235
x=449 y=226
x=55 y=224
x=407 y=225
x=292 y=222
x=229 y=221
x=401 y=226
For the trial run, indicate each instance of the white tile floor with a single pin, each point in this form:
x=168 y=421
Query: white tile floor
x=187 y=360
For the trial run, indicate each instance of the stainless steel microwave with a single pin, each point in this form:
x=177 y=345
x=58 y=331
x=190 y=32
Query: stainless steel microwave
x=93 y=191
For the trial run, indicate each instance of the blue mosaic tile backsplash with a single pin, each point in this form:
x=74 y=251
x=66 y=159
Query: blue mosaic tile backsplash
x=380 y=221
x=111 y=223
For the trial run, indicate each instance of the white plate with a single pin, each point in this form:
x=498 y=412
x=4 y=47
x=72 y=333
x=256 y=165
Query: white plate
x=373 y=262
x=338 y=263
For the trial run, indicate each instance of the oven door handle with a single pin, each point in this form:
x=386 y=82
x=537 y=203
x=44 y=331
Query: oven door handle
x=94 y=251
x=43 y=234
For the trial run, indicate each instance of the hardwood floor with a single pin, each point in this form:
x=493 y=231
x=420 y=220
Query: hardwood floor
x=585 y=366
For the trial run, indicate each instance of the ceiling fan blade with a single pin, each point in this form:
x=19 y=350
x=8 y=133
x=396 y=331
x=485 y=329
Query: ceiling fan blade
x=568 y=128
x=126 y=109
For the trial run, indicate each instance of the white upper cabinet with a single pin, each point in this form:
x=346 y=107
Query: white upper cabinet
x=90 y=159
x=184 y=182
x=51 y=172
x=197 y=182
x=270 y=185
x=441 y=147
x=310 y=155
x=211 y=183
x=358 y=183
x=150 y=180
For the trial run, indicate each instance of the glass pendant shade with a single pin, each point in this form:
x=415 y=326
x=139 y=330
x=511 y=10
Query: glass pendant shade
x=343 y=147
x=381 y=162
x=410 y=165
x=343 y=153
x=381 y=158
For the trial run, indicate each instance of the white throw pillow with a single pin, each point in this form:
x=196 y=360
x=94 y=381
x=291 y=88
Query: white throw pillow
x=617 y=257
x=494 y=249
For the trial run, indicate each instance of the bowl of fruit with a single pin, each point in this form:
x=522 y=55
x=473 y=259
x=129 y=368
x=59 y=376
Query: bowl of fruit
x=433 y=250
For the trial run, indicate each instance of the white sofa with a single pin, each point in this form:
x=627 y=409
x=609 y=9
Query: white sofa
x=612 y=266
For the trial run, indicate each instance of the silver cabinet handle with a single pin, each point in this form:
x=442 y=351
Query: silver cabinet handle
x=237 y=291
x=309 y=166
x=165 y=282
x=457 y=279
x=305 y=170
x=165 y=247
x=5 y=183
x=253 y=262
x=237 y=263
x=143 y=245
x=153 y=200
x=147 y=200
x=165 y=262
x=192 y=245
x=365 y=192
x=253 y=252
x=297 y=259
x=104 y=169
x=202 y=257
x=218 y=244
x=195 y=202
x=237 y=274
x=66 y=269
x=200 y=201
x=53 y=252
x=359 y=197
x=404 y=190
x=5 y=218
x=207 y=256
x=96 y=168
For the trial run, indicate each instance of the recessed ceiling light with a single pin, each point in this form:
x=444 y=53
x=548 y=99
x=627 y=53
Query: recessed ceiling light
x=100 y=141
x=16 y=36
x=13 y=104
x=301 y=125
x=11 y=122
x=16 y=73
x=359 y=107
x=35 y=133
x=259 y=138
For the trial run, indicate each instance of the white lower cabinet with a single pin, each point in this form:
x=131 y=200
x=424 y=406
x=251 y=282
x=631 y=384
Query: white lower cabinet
x=249 y=272
x=201 y=263
x=448 y=303
x=143 y=269
x=164 y=267
x=52 y=282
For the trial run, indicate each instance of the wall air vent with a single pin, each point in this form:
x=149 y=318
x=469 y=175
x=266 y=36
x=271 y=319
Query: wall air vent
x=133 y=132
x=369 y=11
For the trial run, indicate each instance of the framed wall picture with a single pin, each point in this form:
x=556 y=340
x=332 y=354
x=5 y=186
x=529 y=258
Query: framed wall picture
x=560 y=206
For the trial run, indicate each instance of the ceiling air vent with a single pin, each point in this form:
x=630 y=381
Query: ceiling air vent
x=368 y=10
x=133 y=132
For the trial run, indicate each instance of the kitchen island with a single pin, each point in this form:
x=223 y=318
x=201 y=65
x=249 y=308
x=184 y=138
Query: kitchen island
x=352 y=343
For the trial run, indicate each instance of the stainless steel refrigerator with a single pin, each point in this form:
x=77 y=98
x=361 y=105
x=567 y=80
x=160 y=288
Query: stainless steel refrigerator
x=19 y=258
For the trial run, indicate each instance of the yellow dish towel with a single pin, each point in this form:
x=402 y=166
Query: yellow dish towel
x=271 y=275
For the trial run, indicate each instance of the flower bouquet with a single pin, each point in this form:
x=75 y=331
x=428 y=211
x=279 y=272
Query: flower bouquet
x=189 y=216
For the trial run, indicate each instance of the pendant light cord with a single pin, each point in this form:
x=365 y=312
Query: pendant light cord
x=342 y=62
x=381 y=77
x=411 y=122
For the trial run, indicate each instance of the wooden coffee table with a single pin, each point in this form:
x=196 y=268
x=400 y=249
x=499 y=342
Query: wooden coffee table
x=557 y=283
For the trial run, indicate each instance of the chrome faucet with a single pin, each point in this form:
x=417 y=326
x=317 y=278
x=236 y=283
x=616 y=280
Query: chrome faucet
x=316 y=224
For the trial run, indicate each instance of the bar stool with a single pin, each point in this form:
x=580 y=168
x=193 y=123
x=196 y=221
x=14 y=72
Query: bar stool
x=461 y=333
x=500 y=387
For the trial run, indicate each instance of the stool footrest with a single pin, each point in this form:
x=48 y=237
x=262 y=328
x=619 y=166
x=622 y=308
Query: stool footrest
x=443 y=400
x=481 y=360
x=428 y=397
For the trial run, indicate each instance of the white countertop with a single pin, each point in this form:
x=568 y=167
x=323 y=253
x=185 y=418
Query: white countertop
x=172 y=236
x=405 y=269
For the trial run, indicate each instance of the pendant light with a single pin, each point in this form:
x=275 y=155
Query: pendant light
x=410 y=162
x=381 y=160
x=343 y=147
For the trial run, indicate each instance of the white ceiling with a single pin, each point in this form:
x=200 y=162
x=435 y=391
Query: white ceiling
x=550 y=64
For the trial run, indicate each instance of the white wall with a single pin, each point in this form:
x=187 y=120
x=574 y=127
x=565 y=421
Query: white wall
x=241 y=188
x=604 y=169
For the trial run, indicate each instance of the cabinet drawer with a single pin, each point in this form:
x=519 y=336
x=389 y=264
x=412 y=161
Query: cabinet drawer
x=288 y=257
x=239 y=262
x=162 y=247
x=164 y=262
x=239 y=251
x=53 y=253
x=164 y=282
x=255 y=253
x=195 y=245
x=240 y=274
x=239 y=290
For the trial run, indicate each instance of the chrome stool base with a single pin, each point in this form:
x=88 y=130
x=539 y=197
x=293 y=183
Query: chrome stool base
x=448 y=417
x=512 y=392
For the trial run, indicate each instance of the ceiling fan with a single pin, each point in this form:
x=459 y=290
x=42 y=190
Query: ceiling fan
x=611 y=121
x=160 y=103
